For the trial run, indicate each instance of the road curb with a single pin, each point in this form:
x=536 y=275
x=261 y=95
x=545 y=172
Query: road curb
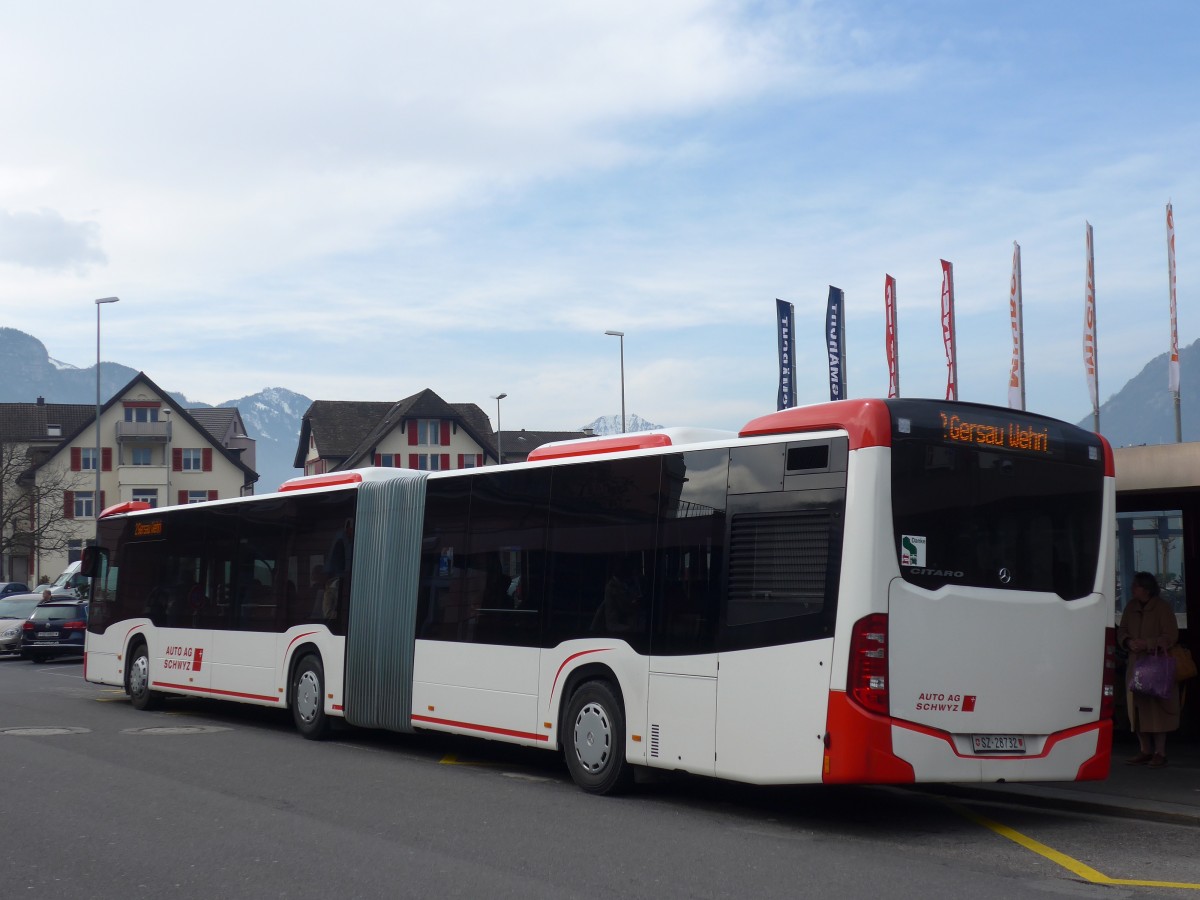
x=1126 y=809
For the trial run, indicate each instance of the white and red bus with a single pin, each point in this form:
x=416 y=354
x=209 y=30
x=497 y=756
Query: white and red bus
x=863 y=591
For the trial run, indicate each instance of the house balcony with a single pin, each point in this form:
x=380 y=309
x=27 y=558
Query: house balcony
x=144 y=432
x=141 y=477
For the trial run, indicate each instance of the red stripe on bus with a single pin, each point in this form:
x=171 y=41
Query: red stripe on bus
x=564 y=665
x=216 y=691
x=298 y=637
x=488 y=729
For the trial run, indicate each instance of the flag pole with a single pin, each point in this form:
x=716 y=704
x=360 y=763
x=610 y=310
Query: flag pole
x=1090 y=362
x=1173 y=364
x=1016 y=376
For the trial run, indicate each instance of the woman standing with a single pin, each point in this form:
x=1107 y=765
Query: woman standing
x=1148 y=625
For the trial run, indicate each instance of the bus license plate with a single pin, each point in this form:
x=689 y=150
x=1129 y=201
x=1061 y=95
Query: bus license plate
x=999 y=743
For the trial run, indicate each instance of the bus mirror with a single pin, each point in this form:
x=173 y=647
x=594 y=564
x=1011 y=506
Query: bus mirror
x=90 y=561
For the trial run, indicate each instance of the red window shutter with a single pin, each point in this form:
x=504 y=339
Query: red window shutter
x=412 y=432
x=462 y=460
x=76 y=459
x=206 y=459
x=445 y=441
x=176 y=459
x=68 y=504
x=183 y=498
x=212 y=495
x=479 y=459
x=445 y=461
x=413 y=461
x=379 y=459
x=102 y=506
x=106 y=459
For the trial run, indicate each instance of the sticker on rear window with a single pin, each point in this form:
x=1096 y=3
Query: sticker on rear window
x=912 y=550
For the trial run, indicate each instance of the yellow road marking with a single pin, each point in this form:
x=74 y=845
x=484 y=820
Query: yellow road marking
x=451 y=759
x=1071 y=864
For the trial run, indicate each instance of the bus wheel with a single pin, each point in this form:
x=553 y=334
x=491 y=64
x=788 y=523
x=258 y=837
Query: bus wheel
x=137 y=680
x=308 y=698
x=595 y=740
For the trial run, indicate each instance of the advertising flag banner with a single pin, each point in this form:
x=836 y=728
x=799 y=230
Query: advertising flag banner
x=1016 y=372
x=1173 y=367
x=1089 y=330
x=948 y=330
x=785 y=317
x=889 y=335
x=835 y=333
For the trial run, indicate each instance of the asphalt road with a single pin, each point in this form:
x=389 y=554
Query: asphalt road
x=204 y=799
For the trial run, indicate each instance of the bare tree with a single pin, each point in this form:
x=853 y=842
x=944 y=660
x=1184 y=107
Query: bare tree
x=33 y=517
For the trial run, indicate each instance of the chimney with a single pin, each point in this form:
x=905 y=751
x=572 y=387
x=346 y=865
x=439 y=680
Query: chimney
x=41 y=401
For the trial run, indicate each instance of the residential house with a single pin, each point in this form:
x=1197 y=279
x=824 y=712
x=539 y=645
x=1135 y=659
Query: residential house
x=419 y=432
x=151 y=449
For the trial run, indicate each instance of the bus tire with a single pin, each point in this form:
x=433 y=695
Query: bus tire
x=594 y=742
x=308 y=698
x=137 y=680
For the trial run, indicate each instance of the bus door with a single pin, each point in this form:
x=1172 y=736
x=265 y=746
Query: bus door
x=160 y=582
x=254 y=612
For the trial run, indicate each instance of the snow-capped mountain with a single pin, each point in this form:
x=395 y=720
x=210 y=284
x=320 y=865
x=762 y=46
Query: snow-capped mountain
x=612 y=424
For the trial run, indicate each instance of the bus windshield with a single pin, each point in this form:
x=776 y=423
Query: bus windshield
x=992 y=500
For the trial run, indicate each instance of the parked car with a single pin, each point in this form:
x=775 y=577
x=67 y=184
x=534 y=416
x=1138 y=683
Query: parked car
x=12 y=587
x=14 y=610
x=54 y=629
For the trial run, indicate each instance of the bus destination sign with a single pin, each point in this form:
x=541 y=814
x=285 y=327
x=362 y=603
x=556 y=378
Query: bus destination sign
x=1008 y=435
x=148 y=529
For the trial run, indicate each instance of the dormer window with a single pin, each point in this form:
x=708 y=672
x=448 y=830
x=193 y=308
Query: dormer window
x=54 y=431
x=430 y=433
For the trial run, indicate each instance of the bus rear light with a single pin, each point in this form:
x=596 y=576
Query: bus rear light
x=867 y=677
x=1108 y=690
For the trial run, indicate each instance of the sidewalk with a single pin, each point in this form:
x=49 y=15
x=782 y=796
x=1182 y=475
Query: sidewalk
x=1170 y=794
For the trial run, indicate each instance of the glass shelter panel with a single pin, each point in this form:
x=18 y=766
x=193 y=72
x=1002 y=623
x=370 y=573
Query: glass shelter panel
x=1152 y=541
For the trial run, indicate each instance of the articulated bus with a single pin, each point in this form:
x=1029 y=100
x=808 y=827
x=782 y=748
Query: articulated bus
x=862 y=591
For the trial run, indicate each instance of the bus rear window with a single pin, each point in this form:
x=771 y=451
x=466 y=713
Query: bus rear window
x=965 y=515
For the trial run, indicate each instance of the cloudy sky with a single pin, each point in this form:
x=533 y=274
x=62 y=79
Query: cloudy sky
x=358 y=201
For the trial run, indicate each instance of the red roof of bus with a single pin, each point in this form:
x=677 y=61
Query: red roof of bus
x=589 y=446
x=868 y=422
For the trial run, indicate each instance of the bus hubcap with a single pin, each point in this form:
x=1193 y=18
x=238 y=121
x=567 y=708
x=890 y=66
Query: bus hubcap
x=308 y=692
x=592 y=737
x=139 y=675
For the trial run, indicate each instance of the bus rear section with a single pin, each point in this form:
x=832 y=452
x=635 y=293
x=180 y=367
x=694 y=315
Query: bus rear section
x=993 y=658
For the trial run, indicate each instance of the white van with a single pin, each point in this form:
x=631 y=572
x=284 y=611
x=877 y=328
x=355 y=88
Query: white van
x=70 y=583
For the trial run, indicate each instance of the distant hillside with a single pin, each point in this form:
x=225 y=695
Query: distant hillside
x=1143 y=411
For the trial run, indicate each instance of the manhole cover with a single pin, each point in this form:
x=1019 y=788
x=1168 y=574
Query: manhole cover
x=43 y=730
x=177 y=729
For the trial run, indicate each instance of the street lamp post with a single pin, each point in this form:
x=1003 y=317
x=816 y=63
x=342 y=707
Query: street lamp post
x=499 y=441
x=621 y=335
x=96 y=461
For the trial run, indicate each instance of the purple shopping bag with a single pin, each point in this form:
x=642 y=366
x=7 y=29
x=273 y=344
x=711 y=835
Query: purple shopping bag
x=1154 y=675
